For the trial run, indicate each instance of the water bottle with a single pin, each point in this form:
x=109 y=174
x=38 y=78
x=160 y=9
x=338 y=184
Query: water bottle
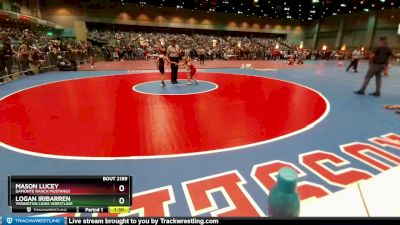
x=283 y=200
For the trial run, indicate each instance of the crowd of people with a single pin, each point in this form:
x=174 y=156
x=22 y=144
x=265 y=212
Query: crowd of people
x=137 y=45
x=22 y=50
x=142 y=45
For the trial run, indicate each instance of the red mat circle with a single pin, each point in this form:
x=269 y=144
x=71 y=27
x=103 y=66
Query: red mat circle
x=102 y=118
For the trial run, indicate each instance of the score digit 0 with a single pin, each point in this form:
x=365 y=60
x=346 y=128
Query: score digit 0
x=121 y=188
x=121 y=200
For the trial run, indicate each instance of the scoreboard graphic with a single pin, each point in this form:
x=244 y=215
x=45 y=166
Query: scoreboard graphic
x=86 y=194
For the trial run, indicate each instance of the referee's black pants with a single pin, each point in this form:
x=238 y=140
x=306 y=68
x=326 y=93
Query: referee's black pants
x=174 y=69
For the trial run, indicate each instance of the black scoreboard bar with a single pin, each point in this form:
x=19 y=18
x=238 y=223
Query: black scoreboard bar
x=90 y=194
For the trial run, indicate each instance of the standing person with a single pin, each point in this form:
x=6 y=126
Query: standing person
x=90 y=52
x=23 y=52
x=355 y=56
x=160 y=64
x=2 y=58
x=173 y=54
x=378 y=62
x=202 y=54
x=8 y=53
x=300 y=57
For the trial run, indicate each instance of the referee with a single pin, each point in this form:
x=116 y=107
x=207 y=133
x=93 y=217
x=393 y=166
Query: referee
x=173 y=53
x=378 y=62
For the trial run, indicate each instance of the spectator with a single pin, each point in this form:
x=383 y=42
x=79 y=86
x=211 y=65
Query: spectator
x=355 y=56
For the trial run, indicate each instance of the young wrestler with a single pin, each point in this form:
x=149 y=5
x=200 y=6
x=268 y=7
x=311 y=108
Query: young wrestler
x=160 y=64
x=192 y=70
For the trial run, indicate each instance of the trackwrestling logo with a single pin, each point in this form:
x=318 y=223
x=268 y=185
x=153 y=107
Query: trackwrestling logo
x=33 y=221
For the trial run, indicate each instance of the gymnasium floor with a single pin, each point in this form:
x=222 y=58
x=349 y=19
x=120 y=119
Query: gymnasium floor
x=207 y=149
